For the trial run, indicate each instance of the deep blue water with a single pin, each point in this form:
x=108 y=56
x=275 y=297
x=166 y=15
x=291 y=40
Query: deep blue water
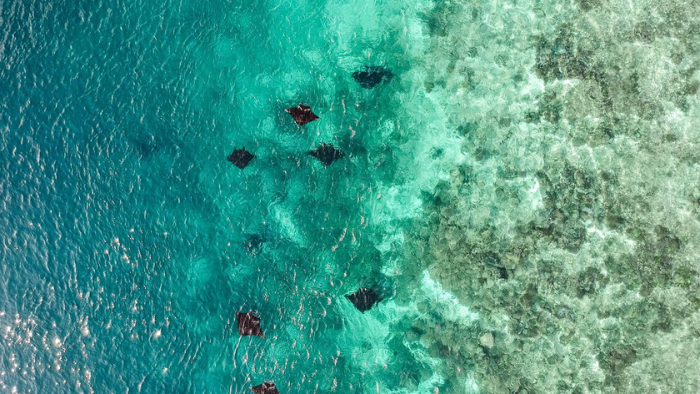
x=126 y=235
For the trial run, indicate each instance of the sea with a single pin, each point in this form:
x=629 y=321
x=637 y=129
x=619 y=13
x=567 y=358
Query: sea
x=520 y=191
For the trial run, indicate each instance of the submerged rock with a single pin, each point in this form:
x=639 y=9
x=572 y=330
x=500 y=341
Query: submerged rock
x=487 y=340
x=372 y=76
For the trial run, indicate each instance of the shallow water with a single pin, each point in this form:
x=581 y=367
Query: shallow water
x=522 y=193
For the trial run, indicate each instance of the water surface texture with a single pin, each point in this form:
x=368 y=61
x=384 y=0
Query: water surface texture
x=523 y=193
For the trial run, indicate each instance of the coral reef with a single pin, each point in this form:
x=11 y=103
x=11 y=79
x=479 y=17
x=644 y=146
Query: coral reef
x=571 y=225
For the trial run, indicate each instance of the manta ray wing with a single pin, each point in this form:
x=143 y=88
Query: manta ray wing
x=265 y=388
x=327 y=154
x=302 y=114
x=249 y=324
x=363 y=299
x=240 y=158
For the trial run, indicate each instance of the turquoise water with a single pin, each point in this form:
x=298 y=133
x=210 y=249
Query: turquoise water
x=126 y=230
x=523 y=193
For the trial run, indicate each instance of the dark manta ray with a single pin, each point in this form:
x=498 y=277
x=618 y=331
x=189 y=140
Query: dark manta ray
x=248 y=324
x=363 y=299
x=240 y=158
x=372 y=76
x=302 y=114
x=326 y=154
x=254 y=243
x=265 y=388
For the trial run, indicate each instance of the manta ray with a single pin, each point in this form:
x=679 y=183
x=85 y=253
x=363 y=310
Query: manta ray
x=265 y=388
x=254 y=243
x=240 y=158
x=249 y=324
x=302 y=114
x=372 y=76
x=364 y=299
x=326 y=154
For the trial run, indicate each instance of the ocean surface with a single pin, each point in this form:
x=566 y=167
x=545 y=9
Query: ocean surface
x=523 y=194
